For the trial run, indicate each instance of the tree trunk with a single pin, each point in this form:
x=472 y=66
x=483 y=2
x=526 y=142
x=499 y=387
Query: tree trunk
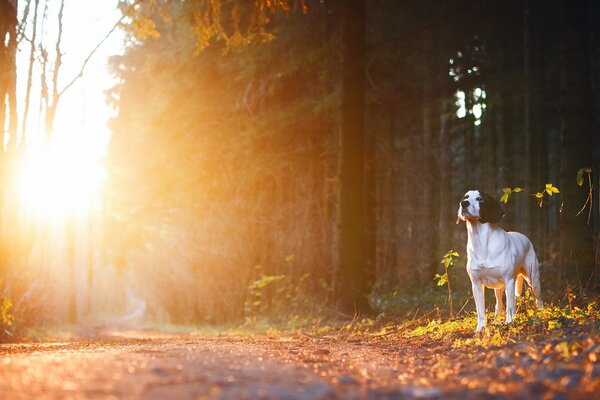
x=576 y=250
x=593 y=18
x=8 y=70
x=354 y=230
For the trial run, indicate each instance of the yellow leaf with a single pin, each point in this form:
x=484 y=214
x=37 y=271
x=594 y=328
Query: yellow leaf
x=517 y=189
x=548 y=185
x=539 y=195
x=555 y=189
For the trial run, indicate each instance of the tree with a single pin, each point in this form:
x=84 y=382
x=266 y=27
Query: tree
x=577 y=256
x=355 y=224
x=8 y=72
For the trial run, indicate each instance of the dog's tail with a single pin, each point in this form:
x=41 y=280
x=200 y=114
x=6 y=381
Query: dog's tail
x=533 y=276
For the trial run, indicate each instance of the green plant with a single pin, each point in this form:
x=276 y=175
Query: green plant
x=257 y=289
x=6 y=317
x=447 y=261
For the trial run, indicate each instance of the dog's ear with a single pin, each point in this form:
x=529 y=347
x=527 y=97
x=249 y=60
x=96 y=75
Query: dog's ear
x=490 y=209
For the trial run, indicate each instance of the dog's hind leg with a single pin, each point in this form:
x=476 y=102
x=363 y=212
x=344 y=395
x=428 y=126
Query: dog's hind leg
x=533 y=277
x=519 y=285
x=499 y=303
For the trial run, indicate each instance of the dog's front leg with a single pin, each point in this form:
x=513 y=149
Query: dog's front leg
x=510 y=300
x=480 y=305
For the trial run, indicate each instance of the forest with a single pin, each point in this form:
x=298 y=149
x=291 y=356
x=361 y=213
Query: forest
x=276 y=141
x=297 y=164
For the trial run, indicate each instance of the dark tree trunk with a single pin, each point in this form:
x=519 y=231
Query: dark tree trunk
x=593 y=18
x=355 y=242
x=576 y=140
x=8 y=70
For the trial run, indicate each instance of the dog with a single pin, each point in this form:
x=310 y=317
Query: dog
x=495 y=258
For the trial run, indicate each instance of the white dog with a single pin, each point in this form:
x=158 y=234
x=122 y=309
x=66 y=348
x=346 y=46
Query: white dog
x=495 y=258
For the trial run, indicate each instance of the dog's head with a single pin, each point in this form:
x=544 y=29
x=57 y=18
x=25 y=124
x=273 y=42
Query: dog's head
x=476 y=205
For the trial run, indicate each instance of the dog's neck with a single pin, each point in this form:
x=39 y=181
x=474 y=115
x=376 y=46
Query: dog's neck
x=478 y=237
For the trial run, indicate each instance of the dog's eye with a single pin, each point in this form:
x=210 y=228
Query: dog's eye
x=479 y=199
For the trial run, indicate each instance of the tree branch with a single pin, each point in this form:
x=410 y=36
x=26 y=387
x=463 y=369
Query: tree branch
x=89 y=57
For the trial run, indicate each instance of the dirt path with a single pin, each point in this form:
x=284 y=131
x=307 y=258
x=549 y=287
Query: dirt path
x=158 y=366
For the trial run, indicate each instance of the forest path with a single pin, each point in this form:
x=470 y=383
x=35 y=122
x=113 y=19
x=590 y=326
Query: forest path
x=143 y=365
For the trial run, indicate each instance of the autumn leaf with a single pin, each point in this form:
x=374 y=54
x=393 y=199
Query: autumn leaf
x=580 y=173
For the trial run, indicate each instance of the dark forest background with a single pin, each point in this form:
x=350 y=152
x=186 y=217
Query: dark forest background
x=311 y=155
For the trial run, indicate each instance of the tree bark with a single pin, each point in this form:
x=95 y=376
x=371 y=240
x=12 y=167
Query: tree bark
x=576 y=249
x=354 y=231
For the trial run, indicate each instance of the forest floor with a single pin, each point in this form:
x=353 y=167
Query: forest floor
x=542 y=356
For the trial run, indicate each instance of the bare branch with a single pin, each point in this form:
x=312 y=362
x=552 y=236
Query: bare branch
x=89 y=57
x=51 y=108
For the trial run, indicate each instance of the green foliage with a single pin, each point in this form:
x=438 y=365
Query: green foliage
x=449 y=258
x=447 y=261
x=441 y=279
x=6 y=317
x=553 y=321
x=259 y=284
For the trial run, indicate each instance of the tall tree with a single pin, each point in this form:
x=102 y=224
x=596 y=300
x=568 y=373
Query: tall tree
x=576 y=139
x=355 y=236
x=8 y=71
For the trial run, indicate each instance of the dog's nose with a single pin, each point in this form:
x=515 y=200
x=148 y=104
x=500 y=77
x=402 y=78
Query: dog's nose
x=464 y=203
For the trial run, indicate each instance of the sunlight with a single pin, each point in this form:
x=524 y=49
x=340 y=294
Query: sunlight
x=59 y=178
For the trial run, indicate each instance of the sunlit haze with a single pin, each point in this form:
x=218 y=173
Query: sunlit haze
x=64 y=174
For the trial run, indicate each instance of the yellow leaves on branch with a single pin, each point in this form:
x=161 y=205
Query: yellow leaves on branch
x=507 y=192
x=585 y=170
x=208 y=21
x=549 y=190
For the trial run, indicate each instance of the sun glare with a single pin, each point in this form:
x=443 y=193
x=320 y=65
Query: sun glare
x=60 y=178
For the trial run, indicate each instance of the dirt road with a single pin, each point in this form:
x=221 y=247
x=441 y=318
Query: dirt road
x=139 y=365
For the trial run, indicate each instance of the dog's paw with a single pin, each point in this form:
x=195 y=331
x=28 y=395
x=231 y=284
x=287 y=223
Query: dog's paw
x=479 y=328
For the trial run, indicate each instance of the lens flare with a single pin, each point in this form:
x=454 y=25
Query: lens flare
x=59 y=178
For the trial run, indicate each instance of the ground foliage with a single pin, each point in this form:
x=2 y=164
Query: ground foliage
x=554 y=353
